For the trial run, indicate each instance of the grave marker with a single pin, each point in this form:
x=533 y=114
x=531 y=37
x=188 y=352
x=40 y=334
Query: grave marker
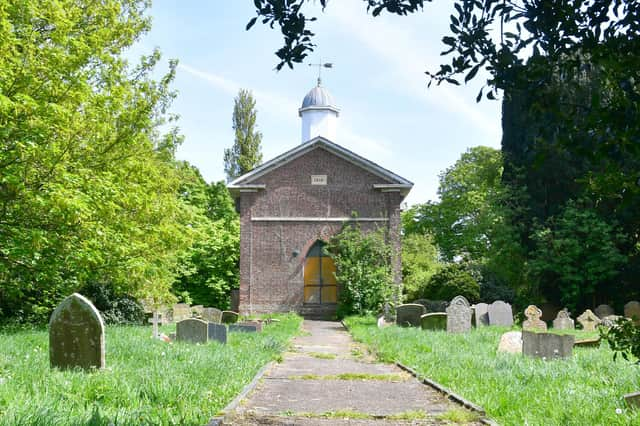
x=533 y=321
x=588 y=320
x=408 y=315
x=76 y=335
x=547 y=346
x=434 y=321
x=481 y=314
x=604 y=311
x=229 y=317
x=632 y=311
x=192 y=330
x=459 y=315
x=511 y=342
x=212 y=315
x=563 y=321
x=242 y=328
x=500 y=313
x=217 y=332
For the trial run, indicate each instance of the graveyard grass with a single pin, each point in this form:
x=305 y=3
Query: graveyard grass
x=513 y=389
x=146 y=382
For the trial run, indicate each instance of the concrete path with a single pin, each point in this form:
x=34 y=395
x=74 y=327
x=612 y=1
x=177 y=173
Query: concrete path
x=327 y=380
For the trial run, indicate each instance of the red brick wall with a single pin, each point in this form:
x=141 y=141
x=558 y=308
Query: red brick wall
x=271 y=277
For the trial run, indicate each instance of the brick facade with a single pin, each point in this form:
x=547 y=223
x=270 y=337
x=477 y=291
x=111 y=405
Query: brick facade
x=282 y=214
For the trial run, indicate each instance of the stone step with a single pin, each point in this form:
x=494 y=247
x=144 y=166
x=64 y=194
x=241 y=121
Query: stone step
x=319 y=311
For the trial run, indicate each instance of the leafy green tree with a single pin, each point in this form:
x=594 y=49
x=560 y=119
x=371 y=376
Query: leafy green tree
x=419 y=263
x=576 y=253
x=450 y=281
x=363 y=270
x=87 y=181
x=245 y=154
x=210 y=268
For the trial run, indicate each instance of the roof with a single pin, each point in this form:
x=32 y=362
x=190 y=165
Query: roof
x=318 y=98
x=247 y=180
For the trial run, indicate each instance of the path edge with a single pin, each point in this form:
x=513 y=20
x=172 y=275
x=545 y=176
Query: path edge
x=448 y=393
x=218 y=419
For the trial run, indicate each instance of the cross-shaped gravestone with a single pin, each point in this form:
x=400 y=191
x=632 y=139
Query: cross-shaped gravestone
x=588 y=320
x=155 y=320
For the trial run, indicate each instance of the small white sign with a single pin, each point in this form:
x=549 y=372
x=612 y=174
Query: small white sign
x=318 y=179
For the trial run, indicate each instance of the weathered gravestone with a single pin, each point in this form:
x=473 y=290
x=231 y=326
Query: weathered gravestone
x=533 y=321
x=481 y=314
x=604 y=311
x=408 y=315
x=547 y=345
x=588 y=343
x=212 y=315
x=181 y=311
x=229 y=317
x=610 y=320
x=500 y=313
x=459 y=315
x=434 y=321
x=254 y=323
x=563 y=321
x=242 y=328
x=217 y=332
x=632 y=311
x=511 y=342
x=76 y=335
x=196 y=311
x=588 y=320
x=192 y=330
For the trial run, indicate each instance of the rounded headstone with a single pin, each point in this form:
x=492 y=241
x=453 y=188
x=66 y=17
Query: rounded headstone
x=603 y=311
x=76 y=335
x=632 y=311
x=500 y=313
x=409 y=314
x=511 y=342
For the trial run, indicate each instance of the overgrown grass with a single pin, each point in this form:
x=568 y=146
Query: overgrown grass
x=146 y=382
x=514 y=390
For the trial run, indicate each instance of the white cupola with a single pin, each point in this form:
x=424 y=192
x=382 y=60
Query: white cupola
x=319 y=114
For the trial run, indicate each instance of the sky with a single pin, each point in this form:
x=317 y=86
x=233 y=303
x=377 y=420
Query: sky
x=378 y=81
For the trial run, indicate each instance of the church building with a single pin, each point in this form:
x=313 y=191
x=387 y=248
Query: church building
x=293 y=204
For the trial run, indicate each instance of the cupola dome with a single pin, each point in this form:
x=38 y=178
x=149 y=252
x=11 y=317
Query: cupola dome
x=319 y=114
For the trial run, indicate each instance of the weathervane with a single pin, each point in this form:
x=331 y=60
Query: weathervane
x=321 y=65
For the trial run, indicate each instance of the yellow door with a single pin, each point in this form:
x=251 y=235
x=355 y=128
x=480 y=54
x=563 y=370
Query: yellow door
x=319 y=276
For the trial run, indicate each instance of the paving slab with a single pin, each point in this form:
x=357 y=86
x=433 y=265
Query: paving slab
x=284 y=396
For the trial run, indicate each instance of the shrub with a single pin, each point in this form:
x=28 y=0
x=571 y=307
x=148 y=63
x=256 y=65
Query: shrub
x=363 y=270
x=452 y=280
x=624 y=339
x=114 y=308
x=492 y=289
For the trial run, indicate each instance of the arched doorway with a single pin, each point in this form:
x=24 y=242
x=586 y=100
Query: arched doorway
x=319 y=276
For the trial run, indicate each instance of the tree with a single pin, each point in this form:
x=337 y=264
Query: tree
x=419 y=262
x=462 y=221
x=87 y=181
x=245 y=154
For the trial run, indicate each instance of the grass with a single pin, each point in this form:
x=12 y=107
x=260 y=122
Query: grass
x=587 y=389
x=353 y=376
x=146 y=382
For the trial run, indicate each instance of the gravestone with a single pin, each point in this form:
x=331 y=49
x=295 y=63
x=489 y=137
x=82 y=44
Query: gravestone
x=549 y=311
x=603 y=311
x=212 y=315
x=547 y=346
x=229 y=317
x=254 y=323
x=192 y=330
x=382 y=322
x=76 y=335
x=409 y=314
x=588 y=343
x=533 y=321
x=196 y=311
x=633 y=399
x=588 y=320
x=563 y=321
x=632 y=311
x=434 y=321
x=181 y=311
x=610 y=320
x=511 y=342
x=155 y=320
x=217 y=332
x=481 y=314
x=459 y=315
x=242 y=328
x=500 y=313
